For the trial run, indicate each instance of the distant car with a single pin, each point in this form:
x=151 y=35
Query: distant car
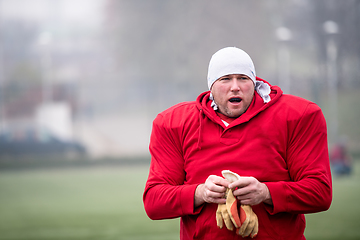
x=22 y=142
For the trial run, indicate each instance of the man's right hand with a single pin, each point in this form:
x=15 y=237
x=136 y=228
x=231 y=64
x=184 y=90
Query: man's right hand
x=212 y=191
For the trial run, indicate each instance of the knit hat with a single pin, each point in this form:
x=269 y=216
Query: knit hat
x=232 y=60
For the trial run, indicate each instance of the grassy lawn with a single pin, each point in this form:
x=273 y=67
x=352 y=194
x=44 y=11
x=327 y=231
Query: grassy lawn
x=106 y=203
x=88 y=203
x=342 y=220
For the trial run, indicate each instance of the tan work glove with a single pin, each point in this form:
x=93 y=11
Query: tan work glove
x=222 y=216
x=249 y=222
x=228 y=212
x=243 y=218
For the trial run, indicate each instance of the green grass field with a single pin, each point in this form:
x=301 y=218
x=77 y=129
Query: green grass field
x=106 y=203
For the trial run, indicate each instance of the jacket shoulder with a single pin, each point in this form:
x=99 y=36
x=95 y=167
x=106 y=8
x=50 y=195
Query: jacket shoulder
x=297 y=104
x=296 y=109
x=177 y=114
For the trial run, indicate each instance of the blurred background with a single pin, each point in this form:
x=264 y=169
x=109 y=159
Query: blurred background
x=90 y=76
x=82 y=80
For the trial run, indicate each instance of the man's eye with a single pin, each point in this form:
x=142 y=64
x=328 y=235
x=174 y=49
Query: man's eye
x=224 y=79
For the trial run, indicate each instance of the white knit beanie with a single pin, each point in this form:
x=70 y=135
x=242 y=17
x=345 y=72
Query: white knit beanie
x=232 y=60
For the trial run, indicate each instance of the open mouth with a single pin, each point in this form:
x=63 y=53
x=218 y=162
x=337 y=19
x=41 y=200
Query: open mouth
x=235 y=100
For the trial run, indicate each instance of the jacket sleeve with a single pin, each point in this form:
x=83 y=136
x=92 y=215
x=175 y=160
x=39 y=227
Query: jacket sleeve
x=166 y=196
x=310 y=188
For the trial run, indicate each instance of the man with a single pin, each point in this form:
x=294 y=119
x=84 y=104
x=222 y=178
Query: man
x=277 y=143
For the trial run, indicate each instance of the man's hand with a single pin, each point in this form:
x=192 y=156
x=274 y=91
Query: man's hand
x=250 y=191
x=212 y=191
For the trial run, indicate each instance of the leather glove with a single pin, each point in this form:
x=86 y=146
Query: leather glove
x=244 y=219
x=249 y=222
x=222 y=216
x=232 y=208
x=228 y=212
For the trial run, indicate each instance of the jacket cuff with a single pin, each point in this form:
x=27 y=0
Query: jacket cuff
x=278 y=196
x=188 y=200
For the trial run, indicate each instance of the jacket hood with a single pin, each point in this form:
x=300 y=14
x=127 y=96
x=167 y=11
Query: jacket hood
x=257 y=105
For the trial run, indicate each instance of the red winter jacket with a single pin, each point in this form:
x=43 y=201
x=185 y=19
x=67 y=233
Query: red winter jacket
x=282 y=143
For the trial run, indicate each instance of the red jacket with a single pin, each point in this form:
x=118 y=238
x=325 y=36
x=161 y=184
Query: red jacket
x=282 y=143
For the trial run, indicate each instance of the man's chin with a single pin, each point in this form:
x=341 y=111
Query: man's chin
x=233 y=114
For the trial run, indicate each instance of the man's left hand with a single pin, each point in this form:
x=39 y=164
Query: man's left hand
x=250 y=191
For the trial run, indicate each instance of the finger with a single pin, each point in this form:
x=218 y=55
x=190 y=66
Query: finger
x=216 y=183
x=243 y=182
x=242 y=191
x=219 y=219
x=245 y=199
x=211 y=194
x=213 y=197
x=247 y=202
x=244 y=218
x=220 y=181
x=218 y=200
x=243 y=227
x=216 y=188
x=256 y=227
x=227 y=220
x=250 y=195
x=250 y=225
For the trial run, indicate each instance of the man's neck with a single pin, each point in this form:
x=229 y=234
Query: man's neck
x=225 y=118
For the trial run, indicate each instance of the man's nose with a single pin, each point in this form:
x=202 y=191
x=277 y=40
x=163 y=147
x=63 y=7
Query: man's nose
x=234 y=85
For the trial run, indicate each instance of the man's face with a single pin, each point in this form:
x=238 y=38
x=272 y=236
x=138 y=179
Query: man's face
x=233 y=94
